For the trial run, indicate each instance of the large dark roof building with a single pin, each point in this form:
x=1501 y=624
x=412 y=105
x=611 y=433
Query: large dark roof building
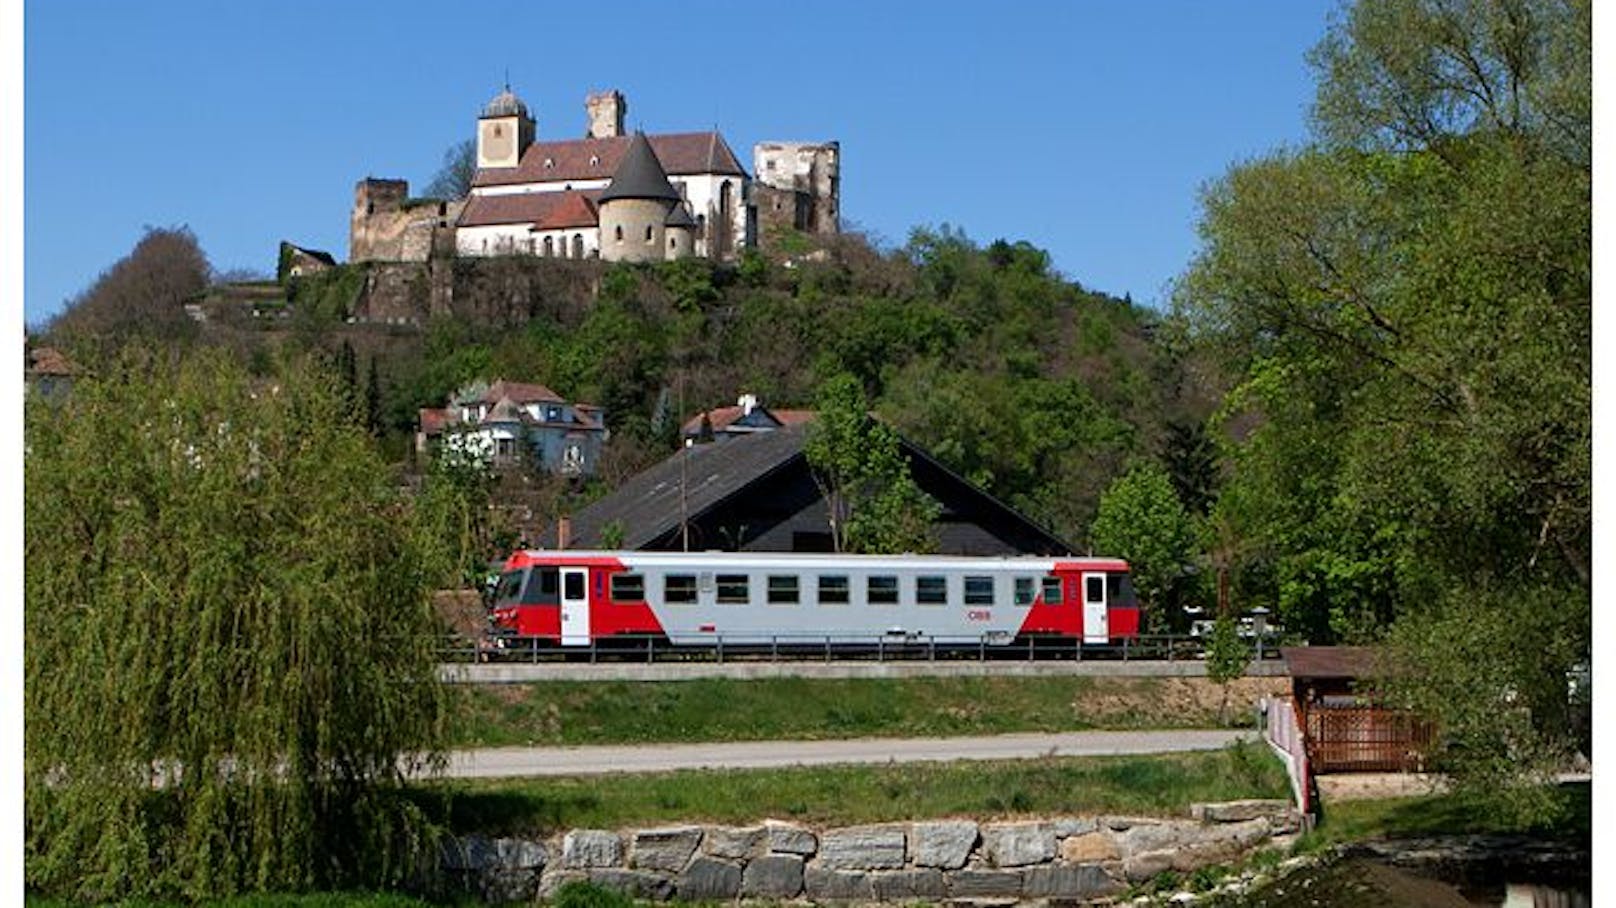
x=754 y=492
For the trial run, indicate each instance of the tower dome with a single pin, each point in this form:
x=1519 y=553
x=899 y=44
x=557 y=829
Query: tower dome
x=505 y=104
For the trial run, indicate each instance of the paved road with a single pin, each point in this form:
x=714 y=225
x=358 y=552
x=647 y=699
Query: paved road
x=574 y=761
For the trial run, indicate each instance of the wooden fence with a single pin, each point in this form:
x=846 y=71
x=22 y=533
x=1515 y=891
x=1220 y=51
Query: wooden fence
x=1364 y=739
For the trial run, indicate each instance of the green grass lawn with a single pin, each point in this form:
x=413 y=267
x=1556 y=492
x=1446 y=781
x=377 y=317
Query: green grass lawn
x=1444 y=814
x=718 y=709
x=842 y=795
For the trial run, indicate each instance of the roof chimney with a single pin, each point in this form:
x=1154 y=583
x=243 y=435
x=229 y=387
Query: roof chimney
x=747 y=402
x=606 y=112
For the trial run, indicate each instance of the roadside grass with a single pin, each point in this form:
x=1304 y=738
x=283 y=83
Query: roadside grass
x=721 y=709
x=845 y=795
x=262 y=900
x=1443 y=814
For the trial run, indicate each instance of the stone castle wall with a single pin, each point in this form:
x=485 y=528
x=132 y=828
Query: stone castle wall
x=1065 y=858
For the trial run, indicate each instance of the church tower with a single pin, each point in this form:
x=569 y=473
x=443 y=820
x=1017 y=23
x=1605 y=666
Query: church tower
x=504 y=131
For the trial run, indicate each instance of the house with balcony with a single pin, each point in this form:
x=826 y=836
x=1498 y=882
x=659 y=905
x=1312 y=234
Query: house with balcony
x=515 y=425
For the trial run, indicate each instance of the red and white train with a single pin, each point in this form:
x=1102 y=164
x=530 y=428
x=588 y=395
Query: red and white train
x=576 y=598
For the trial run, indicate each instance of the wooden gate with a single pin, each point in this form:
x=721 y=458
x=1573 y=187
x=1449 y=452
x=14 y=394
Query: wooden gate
x=1365 y=739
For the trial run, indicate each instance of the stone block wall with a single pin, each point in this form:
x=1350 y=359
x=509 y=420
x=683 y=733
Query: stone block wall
x=1071 y=859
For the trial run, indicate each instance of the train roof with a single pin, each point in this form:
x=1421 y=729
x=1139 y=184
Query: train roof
x=812 y=560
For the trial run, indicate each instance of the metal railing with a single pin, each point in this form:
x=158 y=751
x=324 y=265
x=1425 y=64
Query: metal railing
x=832 y=648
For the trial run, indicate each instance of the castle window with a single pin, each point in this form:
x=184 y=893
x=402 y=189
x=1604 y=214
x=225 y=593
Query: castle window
x=577 y=246
x=594 y=160
x=549 y=246
x=549 y=163
x=648 y=236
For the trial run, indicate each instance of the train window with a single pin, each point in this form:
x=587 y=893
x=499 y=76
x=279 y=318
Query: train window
x=978 y=590
x=1094 y=588
x=1024 y=591
x=575 y=586
x=1119 y=591
x=832 y=589
x=734 y=589
x=783 y=589
x=679 y=588
x=881 y=590
x=628 y=587
x=542 y=586
x=931 y=590
x=510 y=583
x=1052 y=591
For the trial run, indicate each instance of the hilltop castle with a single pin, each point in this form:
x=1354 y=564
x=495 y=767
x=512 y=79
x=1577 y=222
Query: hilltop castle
x=608 y=195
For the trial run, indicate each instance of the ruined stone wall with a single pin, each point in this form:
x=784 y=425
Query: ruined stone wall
x=811 y=172
x=1065 y=858
x=385 y=227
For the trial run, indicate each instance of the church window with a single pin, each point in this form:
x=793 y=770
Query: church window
x=648 y=236
x=577 y=246
x=619 y=233
x=549 y=246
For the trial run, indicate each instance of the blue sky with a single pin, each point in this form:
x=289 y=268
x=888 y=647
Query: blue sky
x=1086 y=129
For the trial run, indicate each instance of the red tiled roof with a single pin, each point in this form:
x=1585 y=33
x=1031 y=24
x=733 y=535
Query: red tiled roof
x=544 y=210
x=720 y=417
x=50 y=361
x=519 y=393
x=681 y=154
x=433 y=422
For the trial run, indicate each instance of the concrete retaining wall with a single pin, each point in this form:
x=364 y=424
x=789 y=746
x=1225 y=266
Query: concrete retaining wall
x=1064 y=858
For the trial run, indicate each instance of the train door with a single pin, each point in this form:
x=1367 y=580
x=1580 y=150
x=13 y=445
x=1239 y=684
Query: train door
x=574 y=607
x=1096 y=624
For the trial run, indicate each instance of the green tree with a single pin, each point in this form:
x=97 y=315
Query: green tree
x=226 y=567
x=1408 y=301
x=1141 y=520
x=873 y=503
x=1226 y=658
x=142 y=296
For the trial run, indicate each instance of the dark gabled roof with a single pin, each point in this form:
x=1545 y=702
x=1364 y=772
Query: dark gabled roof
x=648 y=505
x=1332 y=661
x=640 y=175
x=679 y=217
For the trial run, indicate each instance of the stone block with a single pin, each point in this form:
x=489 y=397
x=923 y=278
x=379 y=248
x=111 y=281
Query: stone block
x=641 y=884
x=1069 y=826
x=820 y=884
x=788 y=838
x=584 y=848
x=709 y=879
x=1018 y=844
x=1237 y=811
x=664 y=849
x=734 y=842
x=773 y=876
x=553 y=880
x=1118 y=824
x=1063 y=881
x=505 y=885
x=908 y=885
x=1140 y=839
x=1141 y=867
x=1089 y=848
x=475 y=852
x=862 y=848
x=978 y=883
x=946 y=844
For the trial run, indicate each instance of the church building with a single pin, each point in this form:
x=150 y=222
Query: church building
x=609 y=195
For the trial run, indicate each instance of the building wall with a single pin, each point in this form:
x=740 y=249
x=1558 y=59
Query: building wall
x=643 y=235
x=811 y=172
x=517 y=239
x=382 y=228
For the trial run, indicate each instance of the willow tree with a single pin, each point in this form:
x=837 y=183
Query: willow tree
x=229 y=663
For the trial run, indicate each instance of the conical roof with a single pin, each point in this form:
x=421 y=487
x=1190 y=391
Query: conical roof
x=505 y=104
x=640 y=175
x=679 y=217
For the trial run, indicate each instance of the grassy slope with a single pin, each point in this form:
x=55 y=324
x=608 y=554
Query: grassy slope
x=799 y=709
x=842 y=795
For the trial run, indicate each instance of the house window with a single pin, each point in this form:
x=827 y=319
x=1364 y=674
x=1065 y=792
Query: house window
x=628 y=587
x=931 y=590
x=679 y=588
x=1052 y=591
x=552 y=413
x=734 y=589
x=832 y=589
x=978 y=590
x=783 y=589
x=506 y=447
x=881 y=589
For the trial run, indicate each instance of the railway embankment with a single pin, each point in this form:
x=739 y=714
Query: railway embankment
x=1068 y=858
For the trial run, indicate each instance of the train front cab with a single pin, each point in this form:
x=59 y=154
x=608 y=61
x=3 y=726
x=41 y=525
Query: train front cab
x=1098 y=604
x=566 y=602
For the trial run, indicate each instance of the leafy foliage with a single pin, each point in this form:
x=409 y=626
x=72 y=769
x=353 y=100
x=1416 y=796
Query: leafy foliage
x=454 y=176
x=1142 y=521
x=223 y=565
